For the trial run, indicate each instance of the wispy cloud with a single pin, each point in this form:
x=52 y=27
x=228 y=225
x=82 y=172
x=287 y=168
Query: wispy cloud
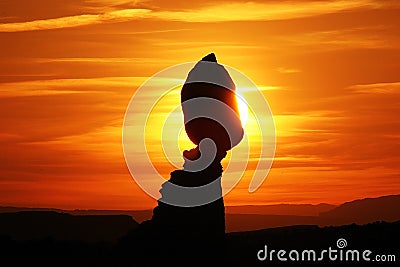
x=357 y=37
x=74 y=21
x=376 y=88
x=248 y=11
x=68 y=86
x=287 y=70
x=137 y=60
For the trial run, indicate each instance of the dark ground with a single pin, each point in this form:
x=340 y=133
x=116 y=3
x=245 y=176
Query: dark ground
x=55 y=239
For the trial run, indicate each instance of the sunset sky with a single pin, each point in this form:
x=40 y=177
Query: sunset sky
x=330 y=71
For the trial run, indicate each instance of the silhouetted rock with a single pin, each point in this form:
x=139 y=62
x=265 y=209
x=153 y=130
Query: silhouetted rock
x=183 y=236
x=210 y=57
x=209 y=81
x=187 y=228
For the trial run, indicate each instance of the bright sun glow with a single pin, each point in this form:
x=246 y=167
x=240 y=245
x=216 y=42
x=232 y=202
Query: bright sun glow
x=243 y=110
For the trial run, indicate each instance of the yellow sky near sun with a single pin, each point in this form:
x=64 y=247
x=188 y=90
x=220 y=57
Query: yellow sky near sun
x=329 y=70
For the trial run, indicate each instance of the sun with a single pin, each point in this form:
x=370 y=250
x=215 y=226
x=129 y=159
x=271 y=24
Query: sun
x=243 y=109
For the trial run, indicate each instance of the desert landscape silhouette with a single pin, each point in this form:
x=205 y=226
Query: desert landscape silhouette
x=109 y=237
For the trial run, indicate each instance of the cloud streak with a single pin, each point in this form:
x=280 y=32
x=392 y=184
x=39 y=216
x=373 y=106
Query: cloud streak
x=74 y=21
x=248 y=11
x=376 y=88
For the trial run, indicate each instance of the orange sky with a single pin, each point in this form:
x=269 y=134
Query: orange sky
x=329 y=69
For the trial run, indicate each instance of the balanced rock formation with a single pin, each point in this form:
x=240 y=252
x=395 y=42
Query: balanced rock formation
x=188 y=225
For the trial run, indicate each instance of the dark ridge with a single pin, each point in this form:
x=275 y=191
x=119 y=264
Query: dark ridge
x=66 y=240
x=366 y=210
x=210 y=57
x=29 y=225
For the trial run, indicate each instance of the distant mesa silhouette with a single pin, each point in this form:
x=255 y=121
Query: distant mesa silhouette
x=362 y=211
